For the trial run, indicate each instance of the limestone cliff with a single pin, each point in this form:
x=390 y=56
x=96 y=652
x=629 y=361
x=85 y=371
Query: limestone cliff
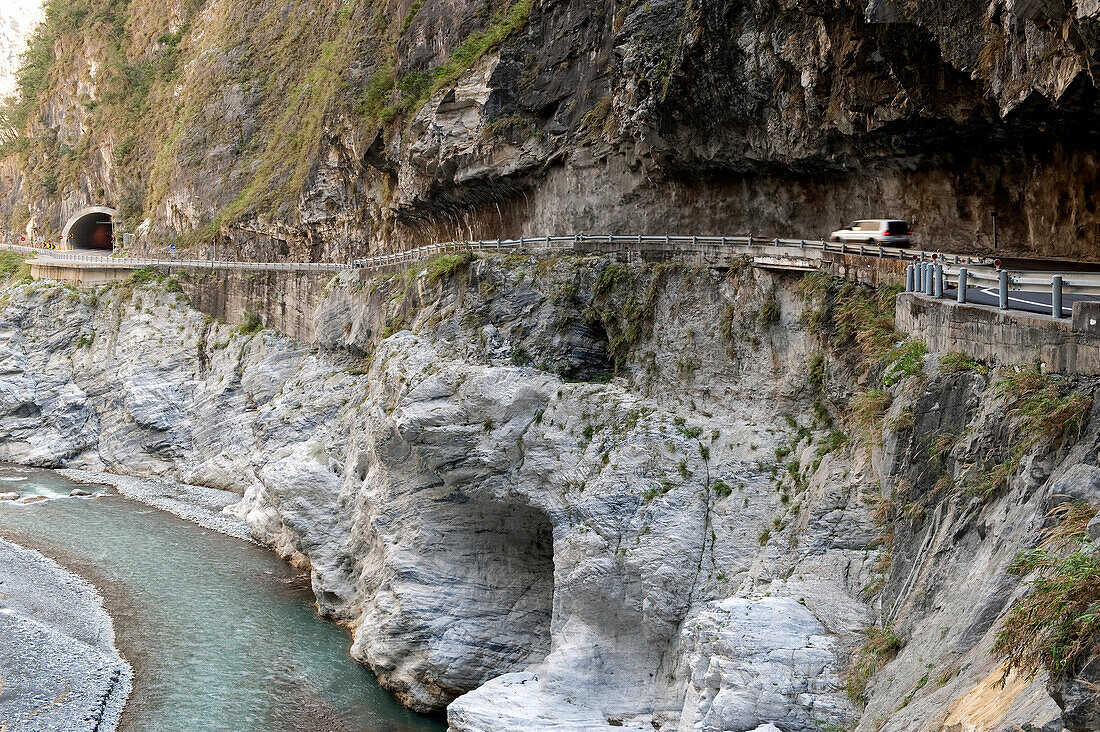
x=574 y=494
x=338 y=128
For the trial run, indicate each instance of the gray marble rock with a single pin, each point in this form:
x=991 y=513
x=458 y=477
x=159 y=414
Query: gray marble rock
x=685 y=546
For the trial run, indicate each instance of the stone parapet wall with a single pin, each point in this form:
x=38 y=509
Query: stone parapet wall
x=283 y=300
x=1004 y=337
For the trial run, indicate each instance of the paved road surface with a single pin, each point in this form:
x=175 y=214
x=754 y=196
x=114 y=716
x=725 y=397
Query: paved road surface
x=1032 y=302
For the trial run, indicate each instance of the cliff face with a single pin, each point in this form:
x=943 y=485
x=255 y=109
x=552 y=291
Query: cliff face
x=508 y=531
x=18 y=22
x=334 y=129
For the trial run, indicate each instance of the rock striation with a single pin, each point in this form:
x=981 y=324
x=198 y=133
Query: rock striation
x=570 y=493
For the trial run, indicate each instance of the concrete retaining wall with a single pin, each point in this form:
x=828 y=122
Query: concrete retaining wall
x=1005 y=336
x=284 y=300
x=81 y=276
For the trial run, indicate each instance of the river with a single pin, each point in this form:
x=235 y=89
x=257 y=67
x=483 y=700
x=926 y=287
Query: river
x=221 y=633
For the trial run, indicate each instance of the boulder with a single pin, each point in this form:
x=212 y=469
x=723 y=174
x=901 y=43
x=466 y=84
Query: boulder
x=9 y=496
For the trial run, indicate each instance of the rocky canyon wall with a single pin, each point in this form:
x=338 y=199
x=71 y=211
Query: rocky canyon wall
x=573 y=494
x=329 y=130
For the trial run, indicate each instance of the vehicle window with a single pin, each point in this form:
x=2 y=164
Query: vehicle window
x=854 y=225
x=868 y=226
x=897 y=227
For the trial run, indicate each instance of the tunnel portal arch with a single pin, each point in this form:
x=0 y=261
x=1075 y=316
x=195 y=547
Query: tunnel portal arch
x=90 y=228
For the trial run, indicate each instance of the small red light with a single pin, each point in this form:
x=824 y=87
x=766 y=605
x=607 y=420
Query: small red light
x=910 y=233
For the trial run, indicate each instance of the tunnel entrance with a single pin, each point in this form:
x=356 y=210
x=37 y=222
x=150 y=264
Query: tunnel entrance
x=90 y=228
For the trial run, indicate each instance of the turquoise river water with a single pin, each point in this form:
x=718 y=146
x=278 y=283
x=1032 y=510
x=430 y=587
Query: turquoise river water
x=222 y=634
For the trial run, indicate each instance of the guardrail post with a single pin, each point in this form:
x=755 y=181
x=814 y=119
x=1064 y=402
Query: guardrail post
x=918 y=277
x=961 y=296
x=909 y=278
x=939 y=281
x=1003 y=291
x=802 y=244
x=926 y=278
x=1056 y=296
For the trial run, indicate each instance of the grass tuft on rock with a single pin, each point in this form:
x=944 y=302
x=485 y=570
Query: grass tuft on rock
x=13 y=267
x=446 y=266
x=882 y=644
x=1057 y=623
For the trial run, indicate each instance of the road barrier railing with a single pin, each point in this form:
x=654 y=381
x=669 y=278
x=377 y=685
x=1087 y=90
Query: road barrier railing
x=928 y=273
x=704 y=248
x=933 y=278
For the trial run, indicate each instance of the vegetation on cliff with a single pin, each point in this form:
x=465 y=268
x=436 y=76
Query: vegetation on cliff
x=161 y=85
x=1056 y=625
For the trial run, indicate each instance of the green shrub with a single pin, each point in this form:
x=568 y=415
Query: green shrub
x=769 y=312
x=1040 y=405
x=251 y=323
x=520 y=357
x=905 y=360
x=624 y=300
x=953 y=362
x=656 y=491
x=1043 y=415
x=721 y=488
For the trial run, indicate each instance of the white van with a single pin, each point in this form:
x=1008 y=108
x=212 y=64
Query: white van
x=884 y=232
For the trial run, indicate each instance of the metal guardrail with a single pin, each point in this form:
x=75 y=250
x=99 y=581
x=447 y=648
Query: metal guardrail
x=669 y=245
x=934 y=278
x=943 y=269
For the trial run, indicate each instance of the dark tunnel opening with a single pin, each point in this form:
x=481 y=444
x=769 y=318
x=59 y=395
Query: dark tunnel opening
x=92 y=231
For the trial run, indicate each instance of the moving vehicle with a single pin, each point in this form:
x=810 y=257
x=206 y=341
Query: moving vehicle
x=880 y=232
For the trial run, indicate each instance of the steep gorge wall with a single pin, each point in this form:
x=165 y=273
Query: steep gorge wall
x=693 y=541
x=331 y=130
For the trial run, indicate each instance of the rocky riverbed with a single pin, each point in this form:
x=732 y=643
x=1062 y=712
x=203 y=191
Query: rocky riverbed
x=59 y=668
